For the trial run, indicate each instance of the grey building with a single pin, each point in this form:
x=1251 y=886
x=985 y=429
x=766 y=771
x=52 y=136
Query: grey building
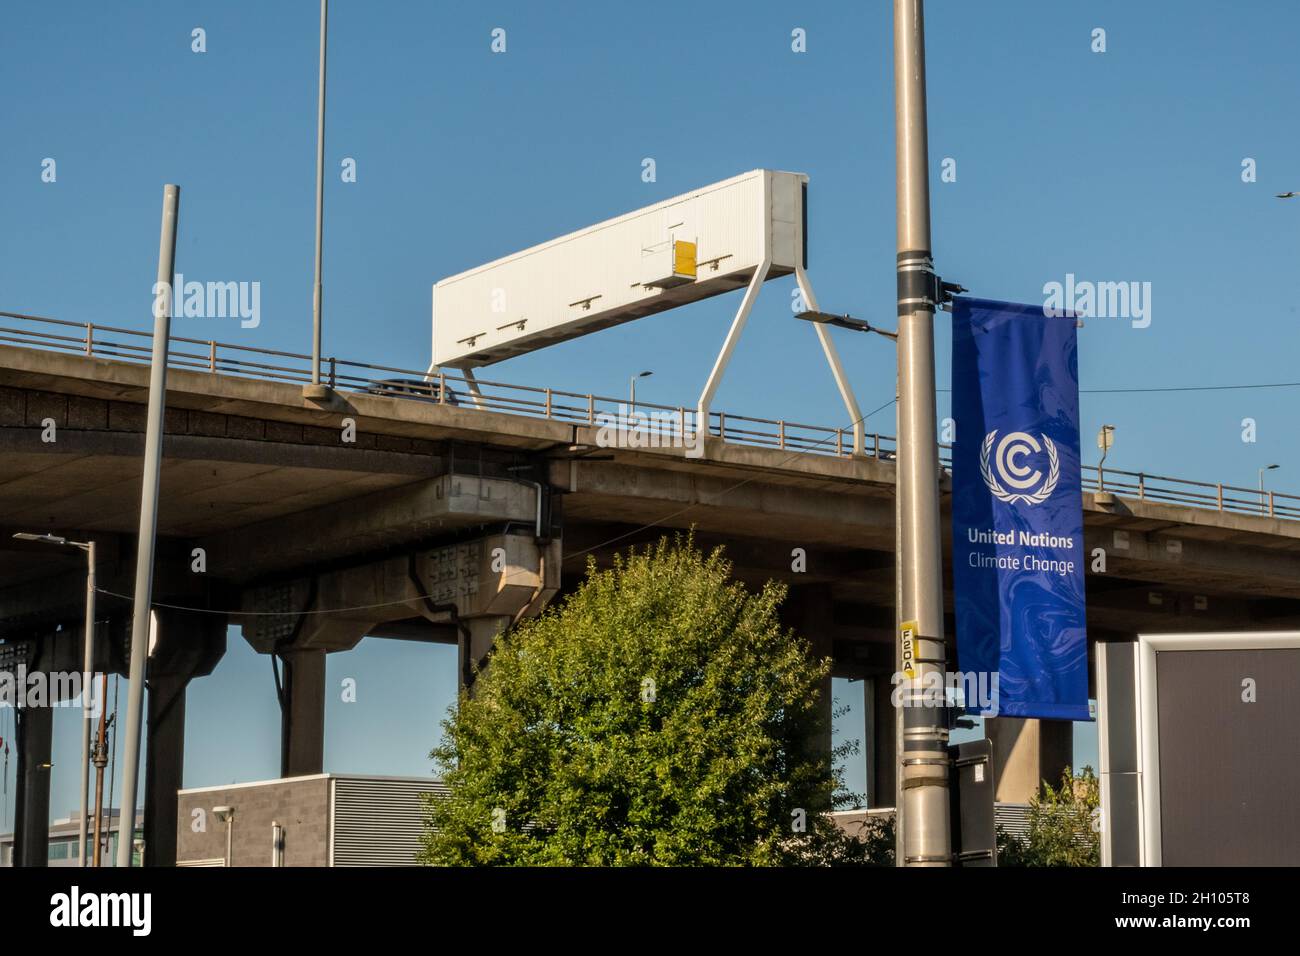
x=316 y=820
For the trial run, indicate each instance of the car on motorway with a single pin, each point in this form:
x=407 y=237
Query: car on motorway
x=416 y=389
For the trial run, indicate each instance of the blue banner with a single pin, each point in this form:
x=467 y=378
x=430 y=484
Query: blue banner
x=1017 y=510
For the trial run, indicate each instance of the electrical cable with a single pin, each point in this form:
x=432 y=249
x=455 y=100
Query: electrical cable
x=239 y=613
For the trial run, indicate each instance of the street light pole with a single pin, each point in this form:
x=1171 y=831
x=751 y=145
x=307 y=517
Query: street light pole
x=88 y=663
x=633 y=379
x=1105 y=438
x=88 y=681
x=923 y=777
x=1261 y=483
x=146 y=538
x=315 y=389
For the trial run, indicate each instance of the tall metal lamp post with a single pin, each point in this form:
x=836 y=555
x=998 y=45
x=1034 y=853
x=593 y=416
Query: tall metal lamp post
x=88 y=662
x=317 y=390
x=1261 y=483
x=1105 y=438
x=633 y=383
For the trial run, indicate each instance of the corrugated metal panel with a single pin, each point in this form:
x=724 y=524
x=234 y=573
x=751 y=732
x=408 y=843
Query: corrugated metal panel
x=377 y=821
x=1013 y=818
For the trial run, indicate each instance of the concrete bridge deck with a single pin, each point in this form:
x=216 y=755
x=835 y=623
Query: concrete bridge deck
x=290 y=515
x=263 y=480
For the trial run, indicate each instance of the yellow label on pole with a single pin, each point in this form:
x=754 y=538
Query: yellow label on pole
x=907 y=634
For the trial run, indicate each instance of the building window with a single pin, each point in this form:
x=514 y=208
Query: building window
x=849 y=724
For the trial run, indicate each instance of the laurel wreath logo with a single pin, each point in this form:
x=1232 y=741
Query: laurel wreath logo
x=1038 y=497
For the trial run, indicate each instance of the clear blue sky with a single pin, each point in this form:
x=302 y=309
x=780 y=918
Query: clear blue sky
x=1123 y=165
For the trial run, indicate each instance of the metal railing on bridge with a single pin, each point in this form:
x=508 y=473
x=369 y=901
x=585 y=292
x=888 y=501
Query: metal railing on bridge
x=647 y=423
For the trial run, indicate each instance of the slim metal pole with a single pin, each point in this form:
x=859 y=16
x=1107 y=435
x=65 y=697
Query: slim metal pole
x=277 y=844
x=899 y=855
x=320 y=201
x=146 y=539
x=923 y=759
x=101 y=761
x=87 y=692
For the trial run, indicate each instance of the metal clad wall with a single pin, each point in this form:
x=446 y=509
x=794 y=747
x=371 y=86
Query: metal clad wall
x=1229 y=770
x=1013 y=818
x=1117 y=729
x=377 y=821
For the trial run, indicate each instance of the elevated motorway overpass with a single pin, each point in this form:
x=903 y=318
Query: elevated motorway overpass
x=448 y=516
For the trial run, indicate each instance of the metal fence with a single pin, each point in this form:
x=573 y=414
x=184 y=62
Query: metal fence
x=646 y=423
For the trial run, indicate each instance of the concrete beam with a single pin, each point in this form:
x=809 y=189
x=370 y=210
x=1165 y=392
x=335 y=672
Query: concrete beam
x=35 y=726
x=164 y=767
x=493 y=576
x=59 y=599
x=303 y=724
x=327 y=452
x=884 y=765
x=474 y=648
x=1026 y=753
x=31 y=819
x=1207 y=523
x=813 y=514
x=376 y=522
x=813 y=609
x=1178 y=560
x=188 y=645
x=63 y=374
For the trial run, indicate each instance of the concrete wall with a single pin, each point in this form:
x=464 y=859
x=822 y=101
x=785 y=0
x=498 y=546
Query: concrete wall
x=1027 y=753
x=300 y=805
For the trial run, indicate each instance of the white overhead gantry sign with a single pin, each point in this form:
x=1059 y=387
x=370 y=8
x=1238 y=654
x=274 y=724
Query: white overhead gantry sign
x=731 y=235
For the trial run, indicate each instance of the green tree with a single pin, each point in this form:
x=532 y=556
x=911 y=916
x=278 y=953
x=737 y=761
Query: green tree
x=658 y=715
x=1062 y=826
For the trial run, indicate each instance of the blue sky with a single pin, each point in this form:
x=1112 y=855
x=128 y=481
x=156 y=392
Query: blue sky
x=1117 y=166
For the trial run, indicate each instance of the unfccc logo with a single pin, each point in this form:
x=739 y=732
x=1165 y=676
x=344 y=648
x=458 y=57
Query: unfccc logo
x=1007 y=466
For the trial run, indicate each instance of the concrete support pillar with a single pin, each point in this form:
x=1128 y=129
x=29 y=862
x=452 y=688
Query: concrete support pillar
x=188 y=645
x=1027 y=752
x=302 y=728
x=473 y=648
x=884 y=768
x=817 y=629
x=32 y=811
x=810 y=614
x=164 y=766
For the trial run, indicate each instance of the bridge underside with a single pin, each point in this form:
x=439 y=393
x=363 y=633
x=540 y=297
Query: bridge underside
x=413 y=520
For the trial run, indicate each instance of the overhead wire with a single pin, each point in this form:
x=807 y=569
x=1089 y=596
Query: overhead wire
x=676 y=513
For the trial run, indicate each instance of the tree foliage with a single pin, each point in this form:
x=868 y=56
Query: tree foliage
x=658 y=715
x=1062 y=826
